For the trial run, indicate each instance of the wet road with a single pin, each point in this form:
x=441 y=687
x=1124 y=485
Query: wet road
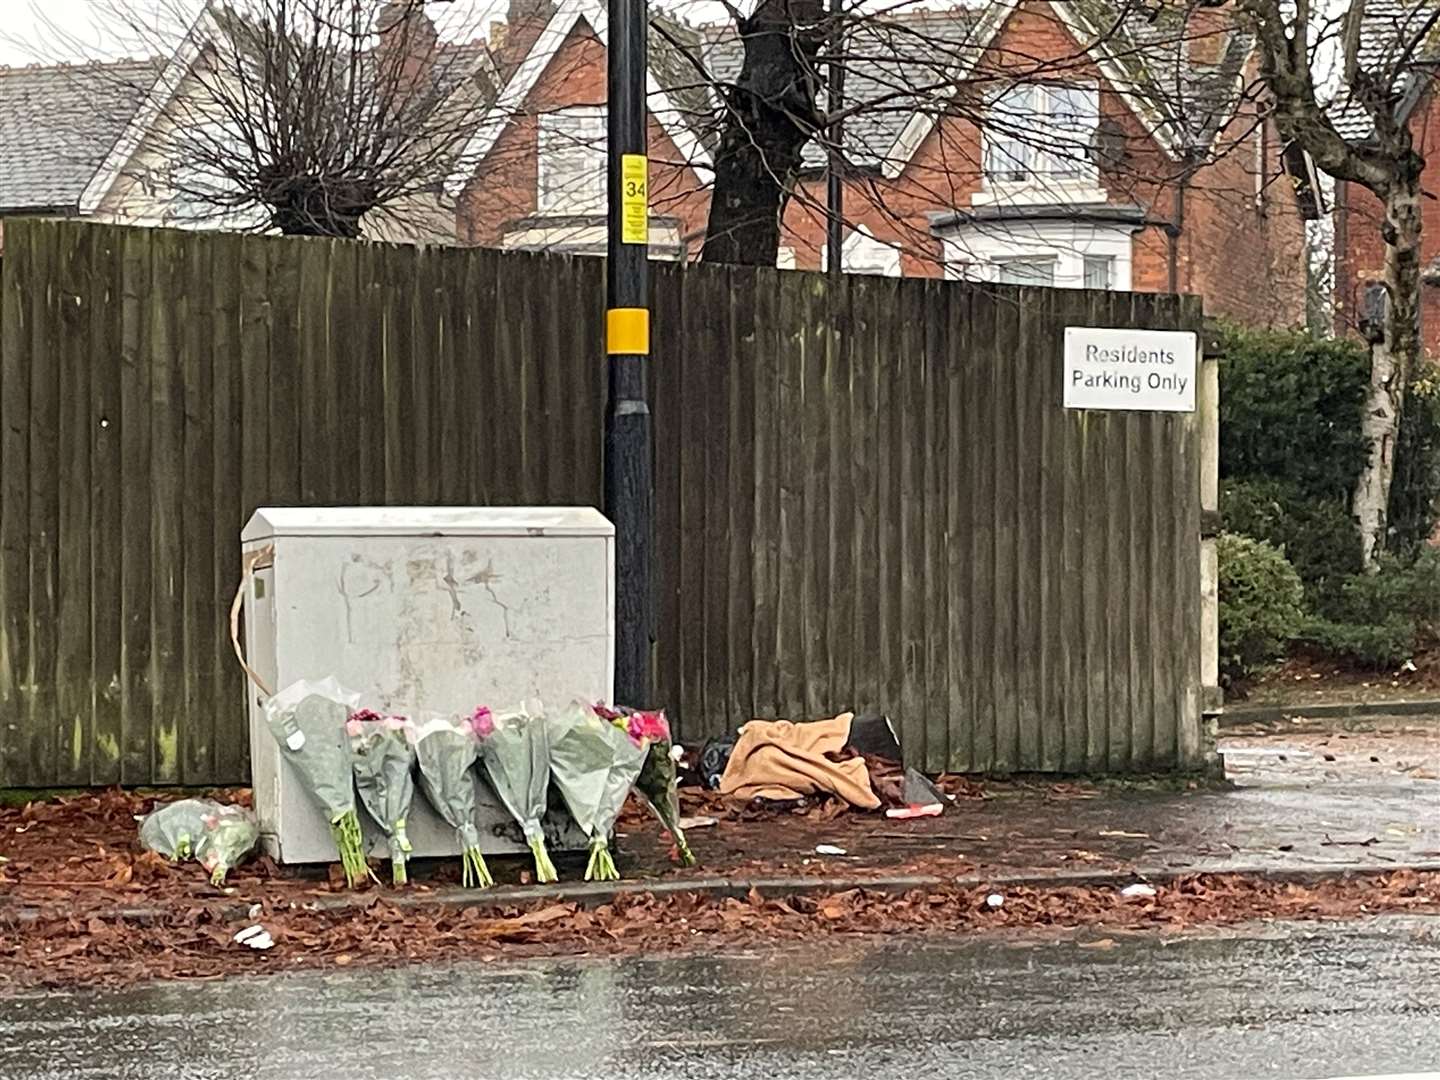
x=1296 y=1002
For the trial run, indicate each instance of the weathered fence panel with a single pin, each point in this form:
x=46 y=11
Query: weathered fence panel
x=870 y=499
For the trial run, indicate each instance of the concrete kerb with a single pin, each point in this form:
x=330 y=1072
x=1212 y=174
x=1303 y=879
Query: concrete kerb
x=1355 y=710
x=594 y=894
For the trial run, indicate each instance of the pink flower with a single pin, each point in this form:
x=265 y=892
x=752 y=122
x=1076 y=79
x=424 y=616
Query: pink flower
x=652 y=726
x=364 y=716
x=606 y=713
x=647 y=727
x=483 y=722
x=355 y=726
x=395 y=723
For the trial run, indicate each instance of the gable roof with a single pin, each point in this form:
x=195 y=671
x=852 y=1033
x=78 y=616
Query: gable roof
x=909 y=64
x=1390 y=27
x=894 y=63
x=57 y=125
x=665 y=87
x=464 y=62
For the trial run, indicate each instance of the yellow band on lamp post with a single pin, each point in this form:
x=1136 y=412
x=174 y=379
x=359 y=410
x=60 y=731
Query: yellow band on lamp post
x=627 y=331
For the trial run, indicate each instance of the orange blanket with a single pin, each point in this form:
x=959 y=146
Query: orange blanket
x=775 y=759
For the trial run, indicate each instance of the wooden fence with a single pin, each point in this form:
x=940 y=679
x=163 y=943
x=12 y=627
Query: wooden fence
x=887 y=509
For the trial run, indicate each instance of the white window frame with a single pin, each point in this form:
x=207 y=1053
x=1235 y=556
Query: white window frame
x=973 y=251
x=861 y=253
x=577 y=131
x=1049 y=261
x=1051 y=165
x=1094 y=260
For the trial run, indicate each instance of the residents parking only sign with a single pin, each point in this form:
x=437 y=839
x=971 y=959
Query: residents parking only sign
x=1144 y=370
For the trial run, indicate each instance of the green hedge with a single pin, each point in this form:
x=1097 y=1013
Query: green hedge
x=1290 y=408
x=1291 y=450
x=1261 y=600
x=1318 y=536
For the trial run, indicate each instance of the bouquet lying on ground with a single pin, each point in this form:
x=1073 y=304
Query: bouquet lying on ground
x=230 y=835
x=308 y=721
x=657 y=781
x=445 y=754
x=215 y=835
x=382 y=755
x=594 y=764
x=517 y=760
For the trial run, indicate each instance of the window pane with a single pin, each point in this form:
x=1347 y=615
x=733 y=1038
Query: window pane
x=1068 y=128
x=1039 y=271
x=1013 y=113
x=1099 y=271
x=572 y=161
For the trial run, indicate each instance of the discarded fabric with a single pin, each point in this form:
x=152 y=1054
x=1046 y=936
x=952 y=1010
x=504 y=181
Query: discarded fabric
x=714 y=757
x=779 y=760
x=1138 y=890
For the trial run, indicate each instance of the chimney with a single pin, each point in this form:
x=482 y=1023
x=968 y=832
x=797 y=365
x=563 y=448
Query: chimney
x=524 y=11
x=408 y=43
x=1207 y=34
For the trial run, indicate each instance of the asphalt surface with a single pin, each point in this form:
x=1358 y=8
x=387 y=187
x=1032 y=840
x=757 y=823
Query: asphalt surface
x=1298 y=1002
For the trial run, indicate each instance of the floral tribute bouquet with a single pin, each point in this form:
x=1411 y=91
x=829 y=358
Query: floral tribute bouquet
x=594 y=764
x=308 y=720
x=656 y=782
x=230 y=834
x=516 y=756
x=445 y=752
x=382 y=754
x=216 y=835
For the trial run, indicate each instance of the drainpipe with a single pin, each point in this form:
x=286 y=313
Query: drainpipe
x=1177 y=223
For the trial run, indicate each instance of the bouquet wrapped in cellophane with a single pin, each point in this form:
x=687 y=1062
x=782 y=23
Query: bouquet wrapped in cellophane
x=308 y=720
x=382 y=754
x=517 y=760
x=445 y=753
x=593 y=764
x=657 y=780
x=214 y=834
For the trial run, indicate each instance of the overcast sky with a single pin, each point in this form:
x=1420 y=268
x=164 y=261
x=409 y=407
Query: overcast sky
x=26 y=39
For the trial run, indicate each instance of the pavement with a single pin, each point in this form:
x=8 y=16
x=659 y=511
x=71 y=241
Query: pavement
x=1287 y=1001
x=1301 y=800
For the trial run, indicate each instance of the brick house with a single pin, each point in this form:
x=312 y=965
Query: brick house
x=1053 y=155
x=1358 y=216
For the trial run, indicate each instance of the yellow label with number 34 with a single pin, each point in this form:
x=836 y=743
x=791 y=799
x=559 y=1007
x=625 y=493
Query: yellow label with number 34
x=634 y=199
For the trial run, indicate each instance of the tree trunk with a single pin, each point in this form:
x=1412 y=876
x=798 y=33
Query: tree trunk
x=769 y=116
x=1392 y=361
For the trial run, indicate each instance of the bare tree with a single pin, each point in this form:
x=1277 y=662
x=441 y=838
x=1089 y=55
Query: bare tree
x=770 y=114
x=1358 y=130
x=774 y=118
x=307 y=117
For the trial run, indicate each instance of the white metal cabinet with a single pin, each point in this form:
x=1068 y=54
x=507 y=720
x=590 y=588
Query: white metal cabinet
x=421 y=609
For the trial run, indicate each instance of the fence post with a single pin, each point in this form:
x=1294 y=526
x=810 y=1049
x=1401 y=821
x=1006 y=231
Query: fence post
x=1210 y=522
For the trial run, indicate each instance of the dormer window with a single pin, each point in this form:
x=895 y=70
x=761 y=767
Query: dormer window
x=1040 y=132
